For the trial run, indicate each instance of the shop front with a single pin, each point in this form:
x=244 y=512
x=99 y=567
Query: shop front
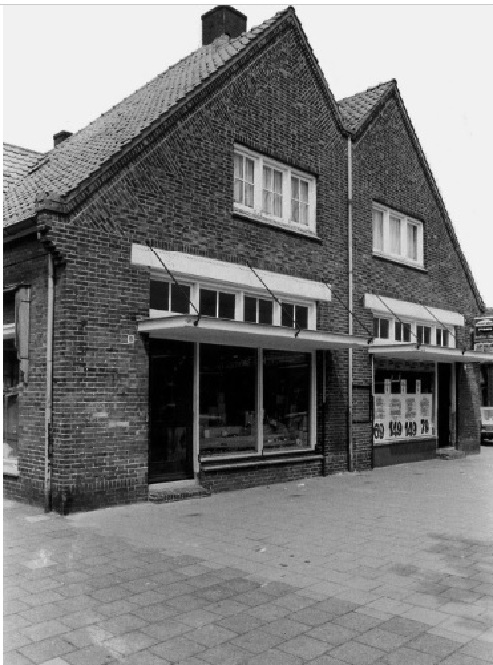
x=232 y=363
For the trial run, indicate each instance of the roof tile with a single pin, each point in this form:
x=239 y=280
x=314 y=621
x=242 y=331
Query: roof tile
x=356 y=109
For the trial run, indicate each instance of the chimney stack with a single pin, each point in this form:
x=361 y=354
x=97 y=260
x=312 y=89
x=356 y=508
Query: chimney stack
x=221 y=21
x=61 y=137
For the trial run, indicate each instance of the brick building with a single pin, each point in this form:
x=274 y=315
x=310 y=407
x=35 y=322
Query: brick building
x=231 y=279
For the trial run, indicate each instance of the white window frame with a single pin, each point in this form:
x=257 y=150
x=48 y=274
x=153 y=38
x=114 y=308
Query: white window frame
x=405 y=223
x=239 y=301
x=286 y=220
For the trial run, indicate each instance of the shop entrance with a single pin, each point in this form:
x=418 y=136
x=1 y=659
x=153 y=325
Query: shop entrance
x=444 y=387
x=171 y=410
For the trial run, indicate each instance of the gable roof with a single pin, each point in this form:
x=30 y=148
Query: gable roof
x=72 y=163
x=16 y=162
x=358 y=112
x=359 y=108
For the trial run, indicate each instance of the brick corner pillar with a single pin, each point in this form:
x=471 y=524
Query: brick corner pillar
x=468 y=408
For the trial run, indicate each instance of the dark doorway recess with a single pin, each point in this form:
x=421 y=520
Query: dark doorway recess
x=171 y=410
x=444 y=397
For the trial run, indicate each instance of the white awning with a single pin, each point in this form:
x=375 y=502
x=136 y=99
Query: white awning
x=238 y=333
x=430 y=353
x=226 y=274
x=406 y=310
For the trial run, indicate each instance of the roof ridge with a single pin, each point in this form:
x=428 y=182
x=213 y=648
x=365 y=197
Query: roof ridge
x=20 y=147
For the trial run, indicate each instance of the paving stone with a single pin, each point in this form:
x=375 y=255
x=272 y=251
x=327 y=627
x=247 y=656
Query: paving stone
x=167 y=629
x=257 y=640
x=382 y=639
x=403 y=626
x=332 y=633
x=226 y=654
x=177 y=648
x=211 y=635
x=439 y=646
x=275 y=657
x=240 y=623
x=15 y=658
x=358 y=622
x=130 y=643
x=95 y=655
x=43 y=650
x=305 y=647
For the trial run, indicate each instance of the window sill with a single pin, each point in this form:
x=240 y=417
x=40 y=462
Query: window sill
x=283 y=226
x=399 y=262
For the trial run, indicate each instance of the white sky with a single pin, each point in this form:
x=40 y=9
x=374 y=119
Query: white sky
x=64 y=65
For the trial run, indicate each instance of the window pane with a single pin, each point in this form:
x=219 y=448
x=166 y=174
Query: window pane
x=250 y=170
x=250 y=309
x=376 y=328
x=159 y=296
x=395 y=235
x=398 y=329
x=304 y=214
x=265 y=311
x=439 y=337
x=226 y=305
x=295 y=211
x=384 y=328
x=427 y=335
x=287 y=315
x=267 y=202
x=419 y=334
x=180 y=299
x=227 y=420
x=407 y=332
x=278 y=182
x=445 y=338
x=267 y=178
x=412 y=242
x=295 y=188
x=249 y=198
x=238 y=191
x=378 y=230
x=208 y=302
x=303 y=191
x=286 y=400
x=302 y=317
x=239 y=166
x=277 y=211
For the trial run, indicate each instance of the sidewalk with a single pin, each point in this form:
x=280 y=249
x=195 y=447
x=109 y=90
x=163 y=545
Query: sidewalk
x=393 y=566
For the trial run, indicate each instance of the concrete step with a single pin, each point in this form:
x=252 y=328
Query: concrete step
x=177 y=493
x=450 y=453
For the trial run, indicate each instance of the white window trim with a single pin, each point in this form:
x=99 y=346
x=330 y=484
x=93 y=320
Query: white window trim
x=414 y=324
x=405 y=221
x=285 y=221
x=239 y=301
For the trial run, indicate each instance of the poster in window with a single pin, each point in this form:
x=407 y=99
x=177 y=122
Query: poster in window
x=410 y=416
x=380 y=418
x=425 y=414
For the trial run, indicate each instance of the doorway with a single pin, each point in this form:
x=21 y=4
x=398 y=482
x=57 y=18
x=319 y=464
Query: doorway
x=444 y=404
x=171 y=410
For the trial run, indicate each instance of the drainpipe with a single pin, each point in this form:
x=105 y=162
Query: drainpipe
x=350 y=297
x=49 y=389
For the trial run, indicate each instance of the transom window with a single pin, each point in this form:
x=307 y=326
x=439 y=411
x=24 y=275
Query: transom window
x=402 y=332
x=423 y=333
x=258 y=310
x=170 y=297
x=273 y=192
x=397 y=236
x=442 y=337
x=294 y=315
x=217 y=303
x=381 y=328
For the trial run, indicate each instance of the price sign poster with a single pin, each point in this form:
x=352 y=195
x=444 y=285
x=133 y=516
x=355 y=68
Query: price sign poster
x=379 y=419
x=395 y=420
x=425 y=414
x=411 y=417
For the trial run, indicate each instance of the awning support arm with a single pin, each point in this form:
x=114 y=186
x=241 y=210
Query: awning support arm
x=149 y=244
x=370 y=333
x=418 y=343
x=298 y=329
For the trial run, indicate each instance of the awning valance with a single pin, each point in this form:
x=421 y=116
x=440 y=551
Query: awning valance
x=406 y=310
x=431 y=353
x=239 y=333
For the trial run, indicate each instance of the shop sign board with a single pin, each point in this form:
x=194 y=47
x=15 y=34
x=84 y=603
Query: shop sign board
x=483 y=334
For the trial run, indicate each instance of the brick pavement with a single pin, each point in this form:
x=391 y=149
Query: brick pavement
x=390 y=567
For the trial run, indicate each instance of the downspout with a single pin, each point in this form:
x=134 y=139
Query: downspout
x=49 y=389
x=350 y=298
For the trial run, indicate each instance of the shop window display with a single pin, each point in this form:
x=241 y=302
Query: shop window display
x=227 y=397
x=404 y=404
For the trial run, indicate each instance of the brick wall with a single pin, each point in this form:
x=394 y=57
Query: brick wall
x=179 y=193
x=387 y=169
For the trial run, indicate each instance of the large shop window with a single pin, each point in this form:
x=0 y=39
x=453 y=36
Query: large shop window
x=11 y=376
x=272 y=191
x=404 y=404
x=286 y=400
x=397 y=236
x=227 y=398
x=234 y=388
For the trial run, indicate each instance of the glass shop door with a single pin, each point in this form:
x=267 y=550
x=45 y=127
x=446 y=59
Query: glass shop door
x=171 y=410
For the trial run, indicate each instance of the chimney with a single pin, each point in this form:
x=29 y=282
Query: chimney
x=60 y=137
x=222 y=21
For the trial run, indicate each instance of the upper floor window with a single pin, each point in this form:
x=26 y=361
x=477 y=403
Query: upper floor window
x=217 y=303
x=258 y=310
x=423 y=333
x=396 y=236
x=294 y=315
x=402 y=332
x=275 y=192
x=442 y=337
x=169 y=297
